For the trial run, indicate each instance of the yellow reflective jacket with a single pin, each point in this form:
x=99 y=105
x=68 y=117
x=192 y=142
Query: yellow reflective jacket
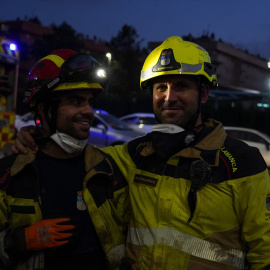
x=21 y=206
x=231 y=220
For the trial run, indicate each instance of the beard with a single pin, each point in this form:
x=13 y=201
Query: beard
x=186 y=120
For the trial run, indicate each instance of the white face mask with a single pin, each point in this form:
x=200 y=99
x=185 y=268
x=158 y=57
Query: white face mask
x=167 y=128
x=68 y=143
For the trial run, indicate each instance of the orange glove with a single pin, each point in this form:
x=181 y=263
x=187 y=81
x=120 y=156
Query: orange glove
x=48 y=233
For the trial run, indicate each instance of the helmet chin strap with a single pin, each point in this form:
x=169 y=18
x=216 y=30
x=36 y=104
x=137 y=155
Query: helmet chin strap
x=51 y=113
x=191 y=125
x=192 y=122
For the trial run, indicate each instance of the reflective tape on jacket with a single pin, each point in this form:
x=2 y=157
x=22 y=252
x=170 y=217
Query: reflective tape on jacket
x=187 y=243
x=116 y=254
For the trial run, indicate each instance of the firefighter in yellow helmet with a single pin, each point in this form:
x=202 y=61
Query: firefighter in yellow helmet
x=199 y=198
x=57 y=203
x=178 y=57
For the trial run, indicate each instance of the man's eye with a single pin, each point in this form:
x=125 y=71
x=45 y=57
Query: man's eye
x=75 y=101
x=160 y=87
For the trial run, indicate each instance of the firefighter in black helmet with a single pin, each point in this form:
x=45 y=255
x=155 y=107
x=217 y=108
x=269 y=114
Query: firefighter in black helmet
x=57 y=203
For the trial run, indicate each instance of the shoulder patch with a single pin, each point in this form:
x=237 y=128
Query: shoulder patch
x=241 y=159
x=230 y=158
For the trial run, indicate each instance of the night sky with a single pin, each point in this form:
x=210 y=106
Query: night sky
x=243 y=23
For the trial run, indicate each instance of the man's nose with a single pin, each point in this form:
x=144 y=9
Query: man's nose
x=87 y=109
x=170 y=94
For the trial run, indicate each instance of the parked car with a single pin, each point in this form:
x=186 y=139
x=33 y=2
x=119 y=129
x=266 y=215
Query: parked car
x=141 y=122
x=24 y=120
x=254 y=138
x=108 y=130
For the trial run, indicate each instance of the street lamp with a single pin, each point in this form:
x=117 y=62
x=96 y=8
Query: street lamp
x=109 y=56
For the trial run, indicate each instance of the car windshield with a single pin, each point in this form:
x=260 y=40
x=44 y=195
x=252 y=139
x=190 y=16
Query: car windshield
x=148 y=121
x=266 y=135
x=113 y=121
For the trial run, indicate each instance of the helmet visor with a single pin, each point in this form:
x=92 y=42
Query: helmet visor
x=82 y=68
x=79 y=68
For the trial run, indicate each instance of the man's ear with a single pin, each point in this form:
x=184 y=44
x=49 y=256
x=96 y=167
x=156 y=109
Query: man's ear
x=205 y=93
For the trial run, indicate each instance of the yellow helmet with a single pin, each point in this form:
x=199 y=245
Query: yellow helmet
x=176 y=56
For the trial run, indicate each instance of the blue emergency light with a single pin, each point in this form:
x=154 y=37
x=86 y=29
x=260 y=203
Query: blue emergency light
x=12 y=47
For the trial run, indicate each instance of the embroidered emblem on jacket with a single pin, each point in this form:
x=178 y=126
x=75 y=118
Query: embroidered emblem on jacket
x=80 y=202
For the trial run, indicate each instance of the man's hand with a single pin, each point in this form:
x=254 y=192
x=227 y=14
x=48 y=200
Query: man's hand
x=24 y=139
x=48 y=233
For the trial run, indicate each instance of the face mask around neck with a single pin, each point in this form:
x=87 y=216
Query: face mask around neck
x=68 y=143
x=167 y=128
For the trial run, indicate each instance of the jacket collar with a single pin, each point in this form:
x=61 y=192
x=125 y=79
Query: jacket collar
x=92 y=157
x=21 y=161
x=207 y=149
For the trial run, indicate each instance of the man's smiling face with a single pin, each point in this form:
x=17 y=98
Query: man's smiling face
x=75 y=113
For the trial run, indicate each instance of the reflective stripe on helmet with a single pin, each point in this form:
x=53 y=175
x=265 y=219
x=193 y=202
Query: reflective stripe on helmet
x=178 y=57
x=77 y=85
x=187 y=243
x=55 y=58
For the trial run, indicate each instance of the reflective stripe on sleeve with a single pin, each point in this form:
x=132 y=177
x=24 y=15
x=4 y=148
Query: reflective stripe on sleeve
x=116 y=254
x=187 y=243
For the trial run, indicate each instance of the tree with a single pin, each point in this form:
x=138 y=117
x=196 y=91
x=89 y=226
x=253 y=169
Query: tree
x=35 y=20
x=124 y=73
x=126 y=66
x=64 y=36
